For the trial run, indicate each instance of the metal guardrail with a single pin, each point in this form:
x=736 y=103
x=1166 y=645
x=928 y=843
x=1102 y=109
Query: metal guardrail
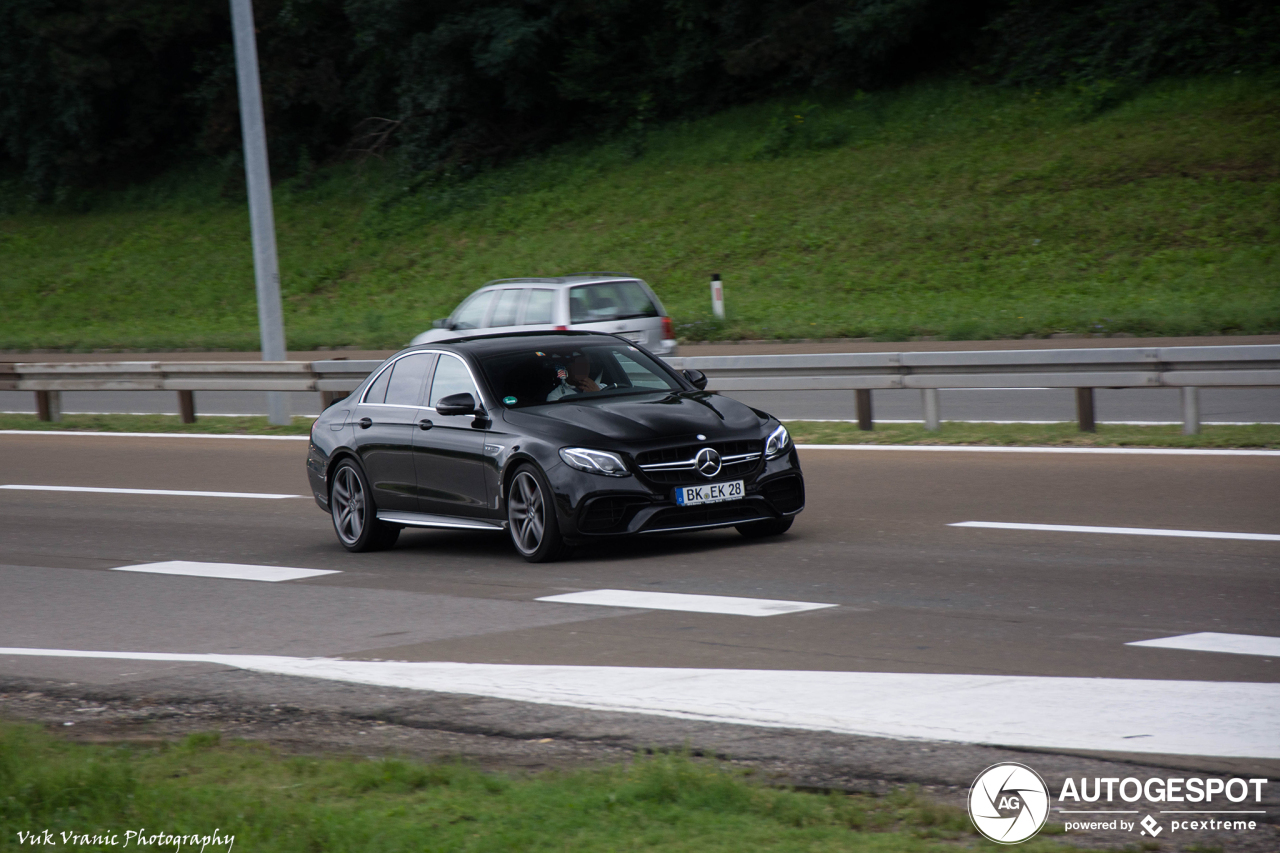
x=1188 y=368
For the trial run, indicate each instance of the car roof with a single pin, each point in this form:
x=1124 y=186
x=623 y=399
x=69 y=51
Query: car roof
x=497 y=343
x=565 y=280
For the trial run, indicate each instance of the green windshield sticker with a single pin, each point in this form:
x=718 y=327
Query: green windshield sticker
x=510 y=401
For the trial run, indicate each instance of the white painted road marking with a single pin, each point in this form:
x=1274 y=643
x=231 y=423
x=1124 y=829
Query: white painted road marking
x=1210 y=718
x=1211 y=641
x=689 y=603
x=178 y=492
x=1131 y=531
x=229 y=571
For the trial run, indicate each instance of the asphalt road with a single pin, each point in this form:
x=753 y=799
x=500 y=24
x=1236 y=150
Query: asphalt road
x=914 y=594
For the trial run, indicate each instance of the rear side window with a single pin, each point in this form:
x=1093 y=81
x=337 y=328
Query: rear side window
x=504 y=313
x=541 y=308
x=610 y=300
x=471 y=313
x=407 y=378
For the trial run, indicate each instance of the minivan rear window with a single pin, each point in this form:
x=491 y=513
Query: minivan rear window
x=609 y=300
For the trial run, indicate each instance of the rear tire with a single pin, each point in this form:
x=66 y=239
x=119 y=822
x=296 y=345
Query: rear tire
x=531 y=517
x=773 y=527
x=355 y=516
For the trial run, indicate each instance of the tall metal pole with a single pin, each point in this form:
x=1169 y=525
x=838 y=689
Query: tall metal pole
x=266 y=268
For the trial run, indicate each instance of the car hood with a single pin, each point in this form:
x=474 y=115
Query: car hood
x=651 y=416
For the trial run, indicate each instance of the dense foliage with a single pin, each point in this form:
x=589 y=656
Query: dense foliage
x=97 y=90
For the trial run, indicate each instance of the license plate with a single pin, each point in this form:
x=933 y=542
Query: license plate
x=711 y=493
x=634 y=337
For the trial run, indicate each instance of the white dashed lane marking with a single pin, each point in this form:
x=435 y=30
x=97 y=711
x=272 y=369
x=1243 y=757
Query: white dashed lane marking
x=1130 y=531
x=689 y=603
x=1211 y=641
x=227 y=571
x=171 y=492
x=1210 y=718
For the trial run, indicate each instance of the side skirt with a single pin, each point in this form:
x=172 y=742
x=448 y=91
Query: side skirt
x=422 y=519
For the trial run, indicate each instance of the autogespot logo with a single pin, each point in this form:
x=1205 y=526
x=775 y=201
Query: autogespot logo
x=1008 y=802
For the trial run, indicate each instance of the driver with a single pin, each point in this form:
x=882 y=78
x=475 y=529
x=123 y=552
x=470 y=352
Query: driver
x=578 y=380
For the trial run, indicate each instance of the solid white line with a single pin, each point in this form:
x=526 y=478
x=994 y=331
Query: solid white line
x=1211 y=641
x=177 y=492
x=1210 y=718
x=227 y=571
x=151 y=434
x=974 y=448
x=688 y=603
x=1129 y=531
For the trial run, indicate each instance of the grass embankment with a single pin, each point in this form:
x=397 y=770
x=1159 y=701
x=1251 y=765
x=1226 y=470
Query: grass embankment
x=270 y=802
x=804 y=432
x=944 y=209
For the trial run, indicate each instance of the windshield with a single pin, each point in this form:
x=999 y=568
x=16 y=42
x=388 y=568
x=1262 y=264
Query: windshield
x=573 y=373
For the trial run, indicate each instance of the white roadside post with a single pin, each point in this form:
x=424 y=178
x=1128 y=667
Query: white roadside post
x=717 y=296
x=261 y=219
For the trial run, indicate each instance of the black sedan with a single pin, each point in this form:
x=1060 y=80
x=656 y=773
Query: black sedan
x=558 y=439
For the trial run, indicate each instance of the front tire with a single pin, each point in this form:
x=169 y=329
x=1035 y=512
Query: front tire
x=531 y=517
x=355 y=516
x=773 y=527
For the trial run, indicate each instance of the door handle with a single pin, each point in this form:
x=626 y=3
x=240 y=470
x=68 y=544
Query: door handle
x=425 y=424
x=365 y=423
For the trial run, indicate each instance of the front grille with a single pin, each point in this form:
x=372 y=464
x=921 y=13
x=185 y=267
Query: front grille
x=676 y=518
x=608 y=513
x=675 y=465
x=785 y=493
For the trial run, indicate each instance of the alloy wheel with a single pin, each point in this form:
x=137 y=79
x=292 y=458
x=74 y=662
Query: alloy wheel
x=348 y=505
x=527 y=513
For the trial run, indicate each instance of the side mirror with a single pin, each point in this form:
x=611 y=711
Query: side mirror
x=443 y=323
x=696 y=378
x=456 y=404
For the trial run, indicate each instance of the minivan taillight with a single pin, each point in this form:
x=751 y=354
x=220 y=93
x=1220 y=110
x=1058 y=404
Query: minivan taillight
x=667 y=333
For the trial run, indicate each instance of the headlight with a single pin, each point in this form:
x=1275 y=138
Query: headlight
x=594 y=461
x=778 y=443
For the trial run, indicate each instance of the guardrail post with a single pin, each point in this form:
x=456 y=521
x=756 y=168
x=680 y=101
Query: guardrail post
x=862 y=402
x=931 y=417
x=1190 y=410
x=187 y=406
x=49 y=405
x=1084 y=410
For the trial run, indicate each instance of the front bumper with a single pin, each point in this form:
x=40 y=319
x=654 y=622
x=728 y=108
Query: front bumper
x=593 y=507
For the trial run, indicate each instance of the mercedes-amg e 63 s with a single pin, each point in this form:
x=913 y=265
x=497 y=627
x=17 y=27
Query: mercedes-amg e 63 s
x=557 y=438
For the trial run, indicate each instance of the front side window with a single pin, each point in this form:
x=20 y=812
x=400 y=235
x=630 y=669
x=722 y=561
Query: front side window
x=610 y=300
x=471 y=313
x=451 y=377
x=565 y=374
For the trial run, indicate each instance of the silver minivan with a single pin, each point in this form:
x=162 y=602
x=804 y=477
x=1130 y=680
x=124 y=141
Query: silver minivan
x=592 y=302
